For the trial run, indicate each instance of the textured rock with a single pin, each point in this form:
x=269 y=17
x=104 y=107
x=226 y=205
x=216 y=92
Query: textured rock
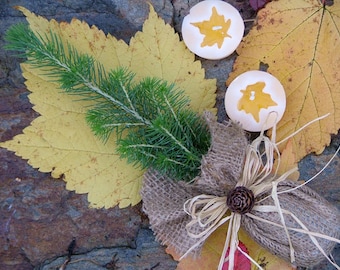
x=140 y=257
x=38 y=216
x=327 y=184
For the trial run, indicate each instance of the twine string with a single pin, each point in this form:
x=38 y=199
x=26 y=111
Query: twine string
x=303 y=229
x=209 y=212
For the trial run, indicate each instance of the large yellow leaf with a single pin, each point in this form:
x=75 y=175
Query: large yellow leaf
x=212 y=249
x=300 y=43
x=59 y=141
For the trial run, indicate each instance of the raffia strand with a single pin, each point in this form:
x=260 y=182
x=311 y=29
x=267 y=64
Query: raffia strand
x=205 y=209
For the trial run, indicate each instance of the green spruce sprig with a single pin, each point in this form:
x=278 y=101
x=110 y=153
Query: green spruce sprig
x=161 y=130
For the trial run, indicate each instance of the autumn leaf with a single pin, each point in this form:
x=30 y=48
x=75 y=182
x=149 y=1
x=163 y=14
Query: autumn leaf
x=241 y=262
x=300 y=43
x=262 y=256
x=212 y=249
x=287 y=162
x=60 y=141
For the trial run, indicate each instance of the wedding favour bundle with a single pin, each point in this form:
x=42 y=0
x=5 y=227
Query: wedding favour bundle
x=200 y=173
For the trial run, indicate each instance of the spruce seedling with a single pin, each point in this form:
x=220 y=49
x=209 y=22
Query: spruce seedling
x=151 y=119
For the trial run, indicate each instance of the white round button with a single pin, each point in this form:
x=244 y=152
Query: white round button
x=255 y=99
x=213 y=29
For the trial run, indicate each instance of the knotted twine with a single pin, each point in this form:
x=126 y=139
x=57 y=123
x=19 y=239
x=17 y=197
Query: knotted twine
x=291 y=221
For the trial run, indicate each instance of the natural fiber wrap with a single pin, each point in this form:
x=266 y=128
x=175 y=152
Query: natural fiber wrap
x=311 y=209
x=221 y=168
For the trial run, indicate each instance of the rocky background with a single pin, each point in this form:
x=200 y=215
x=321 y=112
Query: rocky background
x=41 y=223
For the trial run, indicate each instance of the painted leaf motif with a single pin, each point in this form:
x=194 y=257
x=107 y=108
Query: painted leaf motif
x=214 y=36
x=212 y=249
x=60 y=141
x=300 y=43
x=254 y=99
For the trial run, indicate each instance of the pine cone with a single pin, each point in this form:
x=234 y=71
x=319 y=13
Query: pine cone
x=240 y=200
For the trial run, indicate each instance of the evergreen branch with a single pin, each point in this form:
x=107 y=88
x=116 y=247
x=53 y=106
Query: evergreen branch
x=172 y=137
x=174 y=116
x=143 y=146
x=76 y=72
x=161 y=131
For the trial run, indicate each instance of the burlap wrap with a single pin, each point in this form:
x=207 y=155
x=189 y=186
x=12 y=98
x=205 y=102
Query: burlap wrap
x=221 y=168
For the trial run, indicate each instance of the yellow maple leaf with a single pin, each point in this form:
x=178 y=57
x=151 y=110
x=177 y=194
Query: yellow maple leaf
x=215 y=30
x=300 y=43
x=61 y=142
x=213 y=247
x=287 y=162
x=254 y=99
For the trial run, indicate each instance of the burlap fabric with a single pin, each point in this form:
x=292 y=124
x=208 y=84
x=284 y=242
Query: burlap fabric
x=163 y=201
x=311 y=209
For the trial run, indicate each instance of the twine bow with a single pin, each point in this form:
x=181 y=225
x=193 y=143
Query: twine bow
x=209 y=212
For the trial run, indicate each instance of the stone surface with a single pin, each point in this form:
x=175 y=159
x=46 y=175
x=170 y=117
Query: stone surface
x=140 y=257
x=38 y=217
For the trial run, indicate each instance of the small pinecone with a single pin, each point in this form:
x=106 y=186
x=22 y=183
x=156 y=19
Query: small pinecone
x=240 y=200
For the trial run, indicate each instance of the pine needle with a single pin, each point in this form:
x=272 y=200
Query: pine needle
x=152 y=121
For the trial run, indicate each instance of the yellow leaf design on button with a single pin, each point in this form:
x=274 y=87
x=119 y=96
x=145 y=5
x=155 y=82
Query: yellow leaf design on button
x=254 y=99
x=300 y=43
x=215 y=30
